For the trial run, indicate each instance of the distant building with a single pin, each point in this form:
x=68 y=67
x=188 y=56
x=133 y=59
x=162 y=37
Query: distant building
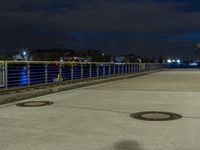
x=54 y=55
x=18 y=57
x=120 y=59
x=92 y=55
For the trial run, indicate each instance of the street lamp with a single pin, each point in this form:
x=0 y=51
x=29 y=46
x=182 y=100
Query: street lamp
x=24 y=53
x=178 y=61
x=169 y=61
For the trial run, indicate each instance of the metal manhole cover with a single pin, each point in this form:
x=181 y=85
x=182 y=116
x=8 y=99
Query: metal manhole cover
x=34 y=103
x=155 y=116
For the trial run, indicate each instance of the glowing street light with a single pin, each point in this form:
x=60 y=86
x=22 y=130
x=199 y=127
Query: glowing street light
x=178 y=61
x=24 y=53
x=169 y=61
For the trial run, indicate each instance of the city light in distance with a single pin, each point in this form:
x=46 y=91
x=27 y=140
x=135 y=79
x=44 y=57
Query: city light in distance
x=169 y=61
x=24 y=53
x=178 y=61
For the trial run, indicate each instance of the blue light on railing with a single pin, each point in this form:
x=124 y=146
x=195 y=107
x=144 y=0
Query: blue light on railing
x=24 y=76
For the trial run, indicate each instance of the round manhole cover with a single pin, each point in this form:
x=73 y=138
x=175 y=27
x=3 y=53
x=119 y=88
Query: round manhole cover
x=34 y=103
x=155 y=116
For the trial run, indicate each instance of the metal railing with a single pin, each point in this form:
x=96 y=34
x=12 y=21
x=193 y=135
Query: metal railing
x=2 y=73
x=27 y=73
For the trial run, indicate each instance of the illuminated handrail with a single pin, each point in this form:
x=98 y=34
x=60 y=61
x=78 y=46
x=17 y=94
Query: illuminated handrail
x=69 y=62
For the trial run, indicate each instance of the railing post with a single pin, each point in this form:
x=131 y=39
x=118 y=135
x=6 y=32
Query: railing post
x=6 y=74
x=72 y=71
x=118 y=69
x=60 y=72
x=90 y=70
x=122 y=68
x=97 y=70
x=28 y=74
x=3 y=74
x=104 y=70
x=135 y=68
x=126 y=68
x=46 y=73
x=109 y=70
x=82 y=71
x=114 y=69
x=139 y=67
x=132 y=68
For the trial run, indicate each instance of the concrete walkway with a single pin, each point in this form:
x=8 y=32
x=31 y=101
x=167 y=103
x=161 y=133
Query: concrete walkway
x=97 y=117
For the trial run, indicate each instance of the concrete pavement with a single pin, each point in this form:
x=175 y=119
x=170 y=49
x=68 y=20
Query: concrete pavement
x=97 y=117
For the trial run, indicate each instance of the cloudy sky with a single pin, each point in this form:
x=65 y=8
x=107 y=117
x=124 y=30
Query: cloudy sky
x=144 y=27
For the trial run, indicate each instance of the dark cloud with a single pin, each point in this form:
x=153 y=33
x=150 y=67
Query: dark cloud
x=148 y=27
x=105 y=15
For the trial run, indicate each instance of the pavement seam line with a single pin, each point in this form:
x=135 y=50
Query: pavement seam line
x=92 y=109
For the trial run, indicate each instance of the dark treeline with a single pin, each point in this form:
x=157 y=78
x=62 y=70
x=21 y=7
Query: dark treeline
x=72 y=55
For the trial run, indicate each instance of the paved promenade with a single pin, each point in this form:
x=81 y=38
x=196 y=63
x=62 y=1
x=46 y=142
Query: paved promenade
x=98 y=117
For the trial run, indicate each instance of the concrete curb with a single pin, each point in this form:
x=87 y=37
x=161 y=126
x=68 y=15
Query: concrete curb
x=22 y=94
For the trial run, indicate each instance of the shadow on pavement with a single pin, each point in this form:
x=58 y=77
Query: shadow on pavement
x=127 y=145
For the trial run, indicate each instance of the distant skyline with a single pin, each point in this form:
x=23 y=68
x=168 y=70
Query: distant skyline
x=142 y=27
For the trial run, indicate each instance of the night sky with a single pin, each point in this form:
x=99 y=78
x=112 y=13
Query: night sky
x=142 y=27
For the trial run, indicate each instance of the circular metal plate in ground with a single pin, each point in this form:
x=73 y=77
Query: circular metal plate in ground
x=34 y=103
x=155 y=116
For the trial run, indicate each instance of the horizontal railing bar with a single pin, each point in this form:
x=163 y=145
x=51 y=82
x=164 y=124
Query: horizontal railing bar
x=65 y=62
x=15 y=73
x=35 y=72
x=33 y=76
